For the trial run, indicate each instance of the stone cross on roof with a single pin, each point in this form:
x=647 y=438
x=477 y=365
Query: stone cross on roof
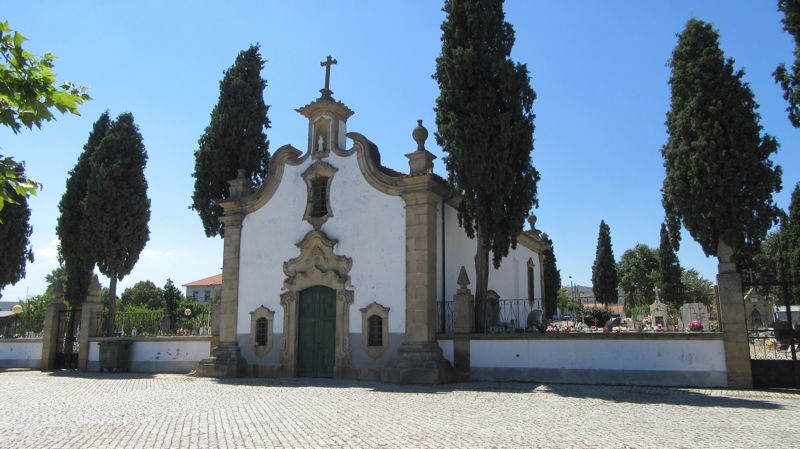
x=327 y=63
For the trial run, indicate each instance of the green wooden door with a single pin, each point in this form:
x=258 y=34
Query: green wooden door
x=316 y=339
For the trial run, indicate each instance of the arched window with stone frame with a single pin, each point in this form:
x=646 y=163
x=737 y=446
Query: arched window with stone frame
x=261 y=321
x=375 y=329
x=318 y=178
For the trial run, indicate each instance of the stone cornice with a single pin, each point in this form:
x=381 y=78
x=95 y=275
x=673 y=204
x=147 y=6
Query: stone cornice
x=324 y=105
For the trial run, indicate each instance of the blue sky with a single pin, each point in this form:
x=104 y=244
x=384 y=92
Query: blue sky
x=598 y=68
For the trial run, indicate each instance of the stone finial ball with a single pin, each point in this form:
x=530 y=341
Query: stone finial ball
x=420 y=135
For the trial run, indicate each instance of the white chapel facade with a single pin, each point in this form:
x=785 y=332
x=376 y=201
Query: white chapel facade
x=333 y=268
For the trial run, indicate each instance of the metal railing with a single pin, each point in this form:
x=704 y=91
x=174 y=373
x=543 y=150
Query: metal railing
x=767 y=345
x=502 y=317
x=151 y=324
x=448 y=317
x=22 y=326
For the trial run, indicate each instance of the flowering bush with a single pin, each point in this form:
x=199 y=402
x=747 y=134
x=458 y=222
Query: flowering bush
x=696 y=326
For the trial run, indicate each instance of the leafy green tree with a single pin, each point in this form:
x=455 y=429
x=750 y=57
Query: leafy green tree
x=142 y=294
x=485 y=119
x=637 y=270
x=552 y=278
x=697 y=288
x=74 y=248
x=28 y=95
x=56 y=278
x=116 y=206
x=15 y=232
x=604 y=270
x=789 y=79
x=669 y=271
x=235 y=139
x=793 y=241
x=172 y=300
x=563 y=300
x=719 y=179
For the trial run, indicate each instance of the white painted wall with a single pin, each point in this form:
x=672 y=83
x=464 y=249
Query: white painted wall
x=370 y=228
x=164 y=350
x=20 y=353
x=447 y=350
x=636 y=355
x=510 y=281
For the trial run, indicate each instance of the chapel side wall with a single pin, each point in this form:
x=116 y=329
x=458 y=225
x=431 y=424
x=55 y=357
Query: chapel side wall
x=370 y=228
x=510 y=281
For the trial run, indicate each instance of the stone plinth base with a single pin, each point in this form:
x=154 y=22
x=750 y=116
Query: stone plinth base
x=418 y=364
x=226 y=362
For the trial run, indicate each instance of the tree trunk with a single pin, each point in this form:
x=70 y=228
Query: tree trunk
x=112 y=306
x=481 y=284
x=69 y=336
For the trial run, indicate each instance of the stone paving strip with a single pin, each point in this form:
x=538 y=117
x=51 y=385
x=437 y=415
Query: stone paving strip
x=79 y=410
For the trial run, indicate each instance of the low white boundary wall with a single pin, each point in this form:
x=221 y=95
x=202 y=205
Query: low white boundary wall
x=20 y=353
x=159 y=354
x=669 y=360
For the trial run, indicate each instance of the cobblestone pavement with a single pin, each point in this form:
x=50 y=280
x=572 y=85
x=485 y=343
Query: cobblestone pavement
x=127 y=410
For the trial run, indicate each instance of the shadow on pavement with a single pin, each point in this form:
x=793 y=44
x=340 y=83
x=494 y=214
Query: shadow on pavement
x=619 y=394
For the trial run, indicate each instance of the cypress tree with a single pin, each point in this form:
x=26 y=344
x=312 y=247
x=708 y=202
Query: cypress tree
x=74 y=249
x=719 y=179
x=15 y=233
x=790 y=79
x=485 y=124
x=791 y=241
x=552 y=278
x=669 y=271
x=235 y=139
x=604 y=270
x=116 y=206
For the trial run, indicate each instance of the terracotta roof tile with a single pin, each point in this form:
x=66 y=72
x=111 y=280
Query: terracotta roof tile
x=213 y=280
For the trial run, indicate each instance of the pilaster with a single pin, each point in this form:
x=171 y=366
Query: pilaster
x=91 y=322
x=732 y=317
x=226 y=359
x=50 y=330
x=420 y=359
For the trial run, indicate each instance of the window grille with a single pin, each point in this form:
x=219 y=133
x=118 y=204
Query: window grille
x=319 y=197
x=261 y=332
x=375 y=331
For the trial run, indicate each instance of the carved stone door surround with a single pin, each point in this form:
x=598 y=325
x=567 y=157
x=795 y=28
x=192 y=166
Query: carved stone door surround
x=316 y=265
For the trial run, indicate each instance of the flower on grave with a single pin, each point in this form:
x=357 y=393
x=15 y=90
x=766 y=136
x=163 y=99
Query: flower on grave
x=605 y=329
x=594 y=328
x=696 y=325
x=567 y=328
x=646 y=320
x=659 y=327
x=552 y=328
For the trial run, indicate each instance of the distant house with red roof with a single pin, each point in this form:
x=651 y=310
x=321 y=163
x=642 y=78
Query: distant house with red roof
x=204 y=289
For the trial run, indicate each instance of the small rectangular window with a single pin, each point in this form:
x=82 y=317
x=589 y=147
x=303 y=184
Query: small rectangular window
x=375 y=331
x=206 y=295
x=319 y=199
x=261 y=332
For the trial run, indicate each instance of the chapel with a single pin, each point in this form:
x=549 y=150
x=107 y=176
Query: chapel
x=336 y=266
